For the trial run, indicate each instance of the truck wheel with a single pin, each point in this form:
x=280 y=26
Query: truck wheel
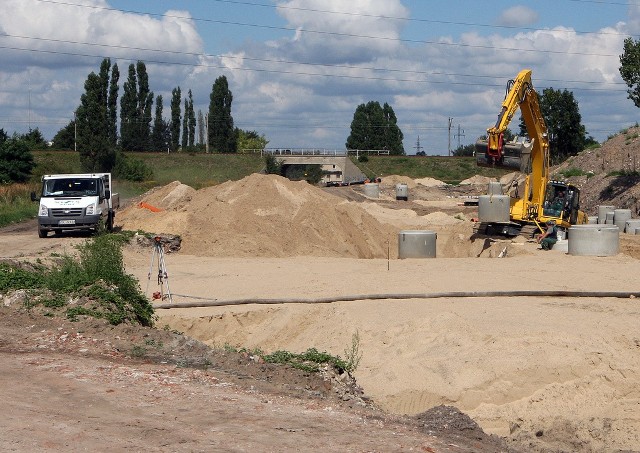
x=42 y=233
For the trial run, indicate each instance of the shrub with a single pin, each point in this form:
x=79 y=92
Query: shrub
x=573 y=171
x=131 y=169
x=98 y=276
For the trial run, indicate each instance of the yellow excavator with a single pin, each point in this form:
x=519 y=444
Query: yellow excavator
x=538 y=199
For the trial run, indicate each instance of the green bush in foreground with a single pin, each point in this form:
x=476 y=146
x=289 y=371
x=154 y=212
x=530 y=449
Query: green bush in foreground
x=97 y=282
x=311 y=360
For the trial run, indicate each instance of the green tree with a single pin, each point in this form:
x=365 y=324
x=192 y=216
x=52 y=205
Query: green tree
x=129 y=110
x=250 y=140
x=185 y=125
x=97 y=152
x=630 y=69
x=34 y=139
x=191 y=121
x=112 y=106
x=200 y=127
x=375 y=127
x=465 y=150
x=222 y=134
x=393 y=136
x=135 y=110
x=567 y=135
x=16 y=160
x=65 y=137
x=160 y=128
x=175 y=118
x=272 y=165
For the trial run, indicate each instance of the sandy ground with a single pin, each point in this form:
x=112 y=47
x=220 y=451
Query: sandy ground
x=565 y=368
x=546 y=373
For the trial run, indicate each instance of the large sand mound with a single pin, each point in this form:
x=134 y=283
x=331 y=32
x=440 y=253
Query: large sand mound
x=260 y=215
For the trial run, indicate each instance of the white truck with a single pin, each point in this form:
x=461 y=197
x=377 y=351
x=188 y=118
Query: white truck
x=76 y=202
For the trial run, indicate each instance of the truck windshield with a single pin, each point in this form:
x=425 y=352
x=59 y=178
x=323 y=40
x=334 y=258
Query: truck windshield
x=70 y=187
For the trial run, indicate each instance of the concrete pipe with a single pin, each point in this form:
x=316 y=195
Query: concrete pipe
x=493 y=208
x=495 y=188
x=402 y=192
x=602 y=212
x=631 y=225
x=620 y=217
x=417 y=244
x=594 y=240
x=372 y=190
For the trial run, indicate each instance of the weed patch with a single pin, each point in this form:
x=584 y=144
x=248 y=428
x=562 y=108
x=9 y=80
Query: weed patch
x=96 y=281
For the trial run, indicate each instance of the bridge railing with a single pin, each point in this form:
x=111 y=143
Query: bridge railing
x=317 y=152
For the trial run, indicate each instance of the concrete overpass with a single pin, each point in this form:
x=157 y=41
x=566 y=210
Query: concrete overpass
x=336 y=163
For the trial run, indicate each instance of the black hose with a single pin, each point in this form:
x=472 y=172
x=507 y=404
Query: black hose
x=356 y=297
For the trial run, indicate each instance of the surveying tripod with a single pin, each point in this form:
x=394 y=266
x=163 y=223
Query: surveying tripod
x=163 y=277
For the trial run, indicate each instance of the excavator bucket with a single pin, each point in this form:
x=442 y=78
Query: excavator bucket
x=516 y=156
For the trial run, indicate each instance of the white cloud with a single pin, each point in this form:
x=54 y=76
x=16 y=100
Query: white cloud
x=297 y=104
x=518 y=16
x=340 y=25
x=51 y=53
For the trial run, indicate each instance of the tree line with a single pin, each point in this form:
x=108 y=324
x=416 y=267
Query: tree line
x=142 y=128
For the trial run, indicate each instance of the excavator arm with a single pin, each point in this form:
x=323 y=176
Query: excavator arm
x=530 y=157
x=520 y=94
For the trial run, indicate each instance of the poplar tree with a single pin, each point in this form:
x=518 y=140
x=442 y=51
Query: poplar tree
x=191 y=121
x=174 y=125
x=200 y=127
x=222 y=134
x=95 y=145
x=112 y=106
x=135 y=110
x=159 y=131
x=185 y=125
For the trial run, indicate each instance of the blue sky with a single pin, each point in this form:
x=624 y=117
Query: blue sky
x=299 y=68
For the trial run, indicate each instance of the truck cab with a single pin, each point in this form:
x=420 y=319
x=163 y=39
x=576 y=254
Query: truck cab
x=75 y=202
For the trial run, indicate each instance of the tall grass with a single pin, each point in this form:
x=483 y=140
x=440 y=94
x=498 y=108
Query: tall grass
x=16 y=204
x=451 y=170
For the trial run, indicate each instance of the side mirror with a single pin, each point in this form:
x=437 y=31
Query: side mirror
x=107 y=194
x=33 y=196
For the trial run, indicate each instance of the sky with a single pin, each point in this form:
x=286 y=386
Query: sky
x=298 y=69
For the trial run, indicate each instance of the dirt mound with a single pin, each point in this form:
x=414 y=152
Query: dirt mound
x=430 y=182
x=392 y=180
x=260 y=215
x=608 y=174
x=477 y=180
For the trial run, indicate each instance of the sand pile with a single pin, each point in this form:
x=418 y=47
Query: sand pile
x=260 y=215
x=477 y=180
x=392 y=180
x=430 y=182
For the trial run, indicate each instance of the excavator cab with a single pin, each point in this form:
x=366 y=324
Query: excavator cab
x=561 y=202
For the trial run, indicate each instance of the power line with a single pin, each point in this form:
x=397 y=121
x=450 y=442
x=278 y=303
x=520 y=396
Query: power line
x=316 y=74
x=267 y=60
x=345 y=13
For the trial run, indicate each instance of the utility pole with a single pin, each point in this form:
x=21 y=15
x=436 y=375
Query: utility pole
x=206 y=133
x=75 y=132
x=449 y=146
x=459 y=134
